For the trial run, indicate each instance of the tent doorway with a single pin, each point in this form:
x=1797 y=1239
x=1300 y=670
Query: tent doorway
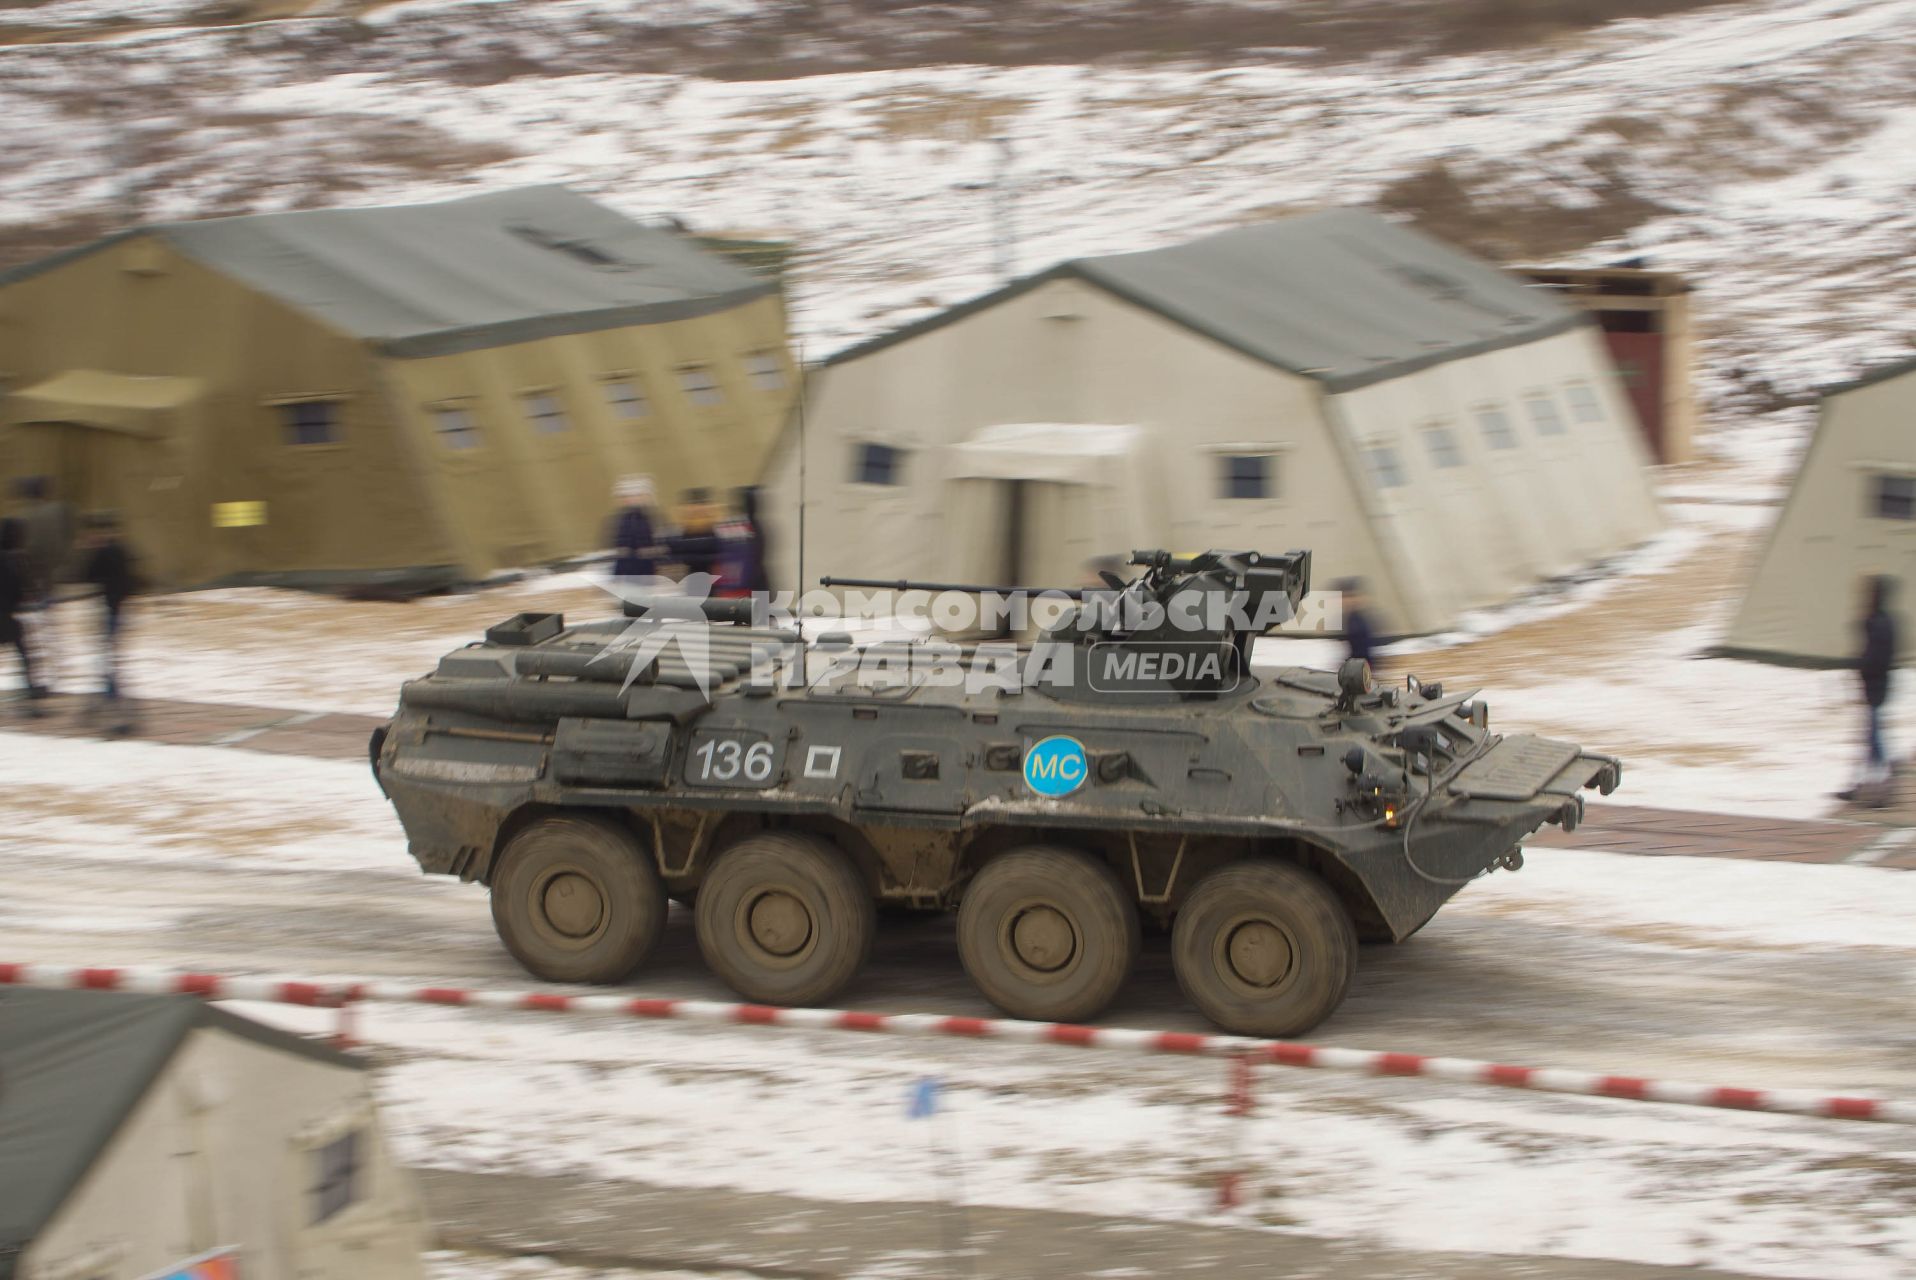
x=1017 y=533
x=111 y=441
x=92 y=468
x=1031 y=504
x=74 y=457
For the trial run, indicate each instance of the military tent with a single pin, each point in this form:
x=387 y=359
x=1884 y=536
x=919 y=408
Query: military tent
x=420 y=394
x=138 y=1132
x=1333 y=380
x=1851 y=513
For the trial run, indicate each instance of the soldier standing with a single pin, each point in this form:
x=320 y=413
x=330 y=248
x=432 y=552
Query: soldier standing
x=109 y=568
x=1360 y=632
x=1874 y=662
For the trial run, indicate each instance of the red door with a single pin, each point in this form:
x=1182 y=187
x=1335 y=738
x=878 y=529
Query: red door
x=1639 y=361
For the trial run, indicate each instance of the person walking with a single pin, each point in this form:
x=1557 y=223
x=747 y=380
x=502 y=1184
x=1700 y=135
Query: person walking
x=109 y=568
x=13 y=603
x=1875 y=660
x=636 y=545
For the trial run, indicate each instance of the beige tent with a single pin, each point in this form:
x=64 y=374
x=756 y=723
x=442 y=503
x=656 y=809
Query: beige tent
x=138 y=1132
x=417 y=394
x=1333 y=381
x=1851 y=513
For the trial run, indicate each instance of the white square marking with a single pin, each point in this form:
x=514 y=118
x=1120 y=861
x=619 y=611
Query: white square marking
x=822 y=762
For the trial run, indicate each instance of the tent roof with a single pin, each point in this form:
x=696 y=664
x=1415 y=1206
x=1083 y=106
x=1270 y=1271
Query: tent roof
x=1870 y=377
x=73 y=1065
x=111 y=401
x=461 y=275
x=1344 y=296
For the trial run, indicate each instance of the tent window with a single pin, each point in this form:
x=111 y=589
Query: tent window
x=1496 y=428
x=1896 y=497
x=457 y=428
x=310 y=421
x=1441 y=442
x=1386 y=468
x=701 y=388
x=1544 y=416
x=335 y=1175
x=627 y=399
x=547 y=414
x=878 y=464
x=1584 y=405
x=1248 y=475
x=767 y=371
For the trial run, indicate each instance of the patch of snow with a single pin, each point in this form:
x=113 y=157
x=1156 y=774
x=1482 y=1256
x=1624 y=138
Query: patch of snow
x=89 y=13
x=1410 y=1164
x=1790 y=224
x=236 y=838
x=145 y=803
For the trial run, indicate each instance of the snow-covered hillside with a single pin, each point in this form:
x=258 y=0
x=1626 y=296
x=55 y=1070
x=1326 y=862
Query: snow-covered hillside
x=1767 y=148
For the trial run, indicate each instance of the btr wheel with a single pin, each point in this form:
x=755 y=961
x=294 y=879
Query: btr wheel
x=1264 y=949
x=576 y=899
x=785 y=918
x=1048 y=934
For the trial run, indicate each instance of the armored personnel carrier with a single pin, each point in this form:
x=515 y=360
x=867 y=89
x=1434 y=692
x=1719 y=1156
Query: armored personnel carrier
x=1126 y=766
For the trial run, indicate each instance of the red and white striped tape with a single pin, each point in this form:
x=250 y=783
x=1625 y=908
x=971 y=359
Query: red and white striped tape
x=1276 y=1052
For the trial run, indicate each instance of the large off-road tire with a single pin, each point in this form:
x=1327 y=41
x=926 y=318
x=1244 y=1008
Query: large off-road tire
x=785 y=918
x=577 y=899
x=1264 y=949
x=1048 y=933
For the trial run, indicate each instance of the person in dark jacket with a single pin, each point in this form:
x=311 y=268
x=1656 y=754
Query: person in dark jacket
x=109 y=568
x=635 y=540
x=45 y=553
x=1360 y=632
x=1874 y=663
x=754 y=576
x=46 y=528
x=697 y=546
x=14 y=592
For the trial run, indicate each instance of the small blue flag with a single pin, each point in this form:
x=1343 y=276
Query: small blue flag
x=924 y=1098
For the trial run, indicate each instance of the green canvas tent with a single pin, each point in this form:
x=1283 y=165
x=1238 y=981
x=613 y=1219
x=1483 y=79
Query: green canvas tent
x=416 y=394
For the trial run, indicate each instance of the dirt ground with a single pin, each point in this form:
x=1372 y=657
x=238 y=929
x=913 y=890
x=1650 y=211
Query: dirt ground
x=788 y=1236
x=866 y=34
x=1594 y=639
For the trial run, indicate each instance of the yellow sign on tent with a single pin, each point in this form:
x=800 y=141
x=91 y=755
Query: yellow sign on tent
x=238 y=515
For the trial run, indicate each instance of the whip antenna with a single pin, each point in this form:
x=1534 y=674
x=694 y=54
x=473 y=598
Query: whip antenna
x=804 y=393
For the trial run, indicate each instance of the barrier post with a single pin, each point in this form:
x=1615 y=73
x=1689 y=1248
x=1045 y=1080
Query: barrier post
x=344 y=1036
x=1237 y=1108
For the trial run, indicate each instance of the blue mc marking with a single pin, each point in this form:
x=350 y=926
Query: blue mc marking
x=1056 y=766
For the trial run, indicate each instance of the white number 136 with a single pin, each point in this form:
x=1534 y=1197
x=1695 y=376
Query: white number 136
x=723 y=759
